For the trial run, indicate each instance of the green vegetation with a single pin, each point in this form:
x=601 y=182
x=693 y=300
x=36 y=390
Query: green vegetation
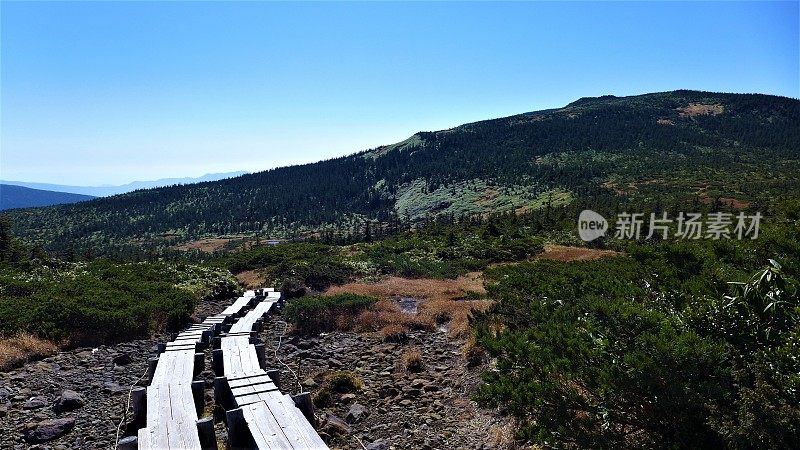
x=102 y=302
x=317 y=314
x=89 y=303
x=651 y=349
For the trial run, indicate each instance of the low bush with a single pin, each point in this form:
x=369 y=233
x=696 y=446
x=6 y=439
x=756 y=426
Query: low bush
x=102 y=301
x=317 y=314
x=394 y=333
x=340 y=382
x=412 y=361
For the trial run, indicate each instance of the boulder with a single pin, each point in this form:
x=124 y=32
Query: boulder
x=47 y=430
x=356 y=413
x=69 y=401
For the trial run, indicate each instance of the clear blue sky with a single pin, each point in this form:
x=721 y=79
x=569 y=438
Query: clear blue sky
x=112 y=92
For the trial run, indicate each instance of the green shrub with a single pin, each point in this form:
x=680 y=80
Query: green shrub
x=599 y=354
x=104 y=302
x=317 y=314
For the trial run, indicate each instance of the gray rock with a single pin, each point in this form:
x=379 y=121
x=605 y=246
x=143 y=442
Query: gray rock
x=47 y=430
x=356 y=413
x=309 y=383
x=34 y=403
x=69 y=401
x=109 y=387
x=334 y=425
x=334 y=363
x=418 y=383
x=380 y=444
x=123 y=359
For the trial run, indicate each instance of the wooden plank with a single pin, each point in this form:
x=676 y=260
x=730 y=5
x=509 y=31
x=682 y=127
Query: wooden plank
x=266 y=432
x=184 y=416
x=295 y=426
x=251 y=380
x=159 y=434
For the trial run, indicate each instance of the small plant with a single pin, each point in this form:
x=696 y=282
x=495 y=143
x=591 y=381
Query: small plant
x=340 y=382
x=412 y=361
x=394 y=333
x=474 y=354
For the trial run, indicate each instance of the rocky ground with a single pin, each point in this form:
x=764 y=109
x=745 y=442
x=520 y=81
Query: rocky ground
x=429 y=409
x=76 y=399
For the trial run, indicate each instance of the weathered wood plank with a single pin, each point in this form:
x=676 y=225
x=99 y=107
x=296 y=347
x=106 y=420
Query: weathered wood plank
x=294 y=425
x=266 y=431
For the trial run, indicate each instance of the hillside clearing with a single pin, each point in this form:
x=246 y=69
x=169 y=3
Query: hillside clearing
x=568 y=253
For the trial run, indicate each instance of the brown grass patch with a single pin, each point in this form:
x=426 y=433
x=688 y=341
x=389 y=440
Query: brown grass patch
x=394 y=333
x=422 y=288
x=22 y=348
x=252 y=279
x=440 y=302
x=728 y=201
x=411 y=361
x=454 y=313
x=701 y=109
x=567 y=253
x=204 y=245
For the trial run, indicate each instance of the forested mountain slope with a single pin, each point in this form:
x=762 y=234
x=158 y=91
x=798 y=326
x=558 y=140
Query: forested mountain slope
x=681 y=144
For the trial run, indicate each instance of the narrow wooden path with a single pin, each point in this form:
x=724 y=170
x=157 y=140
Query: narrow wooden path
x=259 y=416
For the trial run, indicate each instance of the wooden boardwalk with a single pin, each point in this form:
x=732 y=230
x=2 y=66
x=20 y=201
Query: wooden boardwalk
x=167 y=411
x=258 y=414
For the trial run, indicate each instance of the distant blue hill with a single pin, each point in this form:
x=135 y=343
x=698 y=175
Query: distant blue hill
x=21 y=197
x=105 y=191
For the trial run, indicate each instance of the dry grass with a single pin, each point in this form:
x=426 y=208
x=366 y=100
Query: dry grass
x=475 y=355
x=423 y=288
x=701 y=109
x=440 y=302
x=204 y=245
x=411 y=361
x=729 y=201
x=23 y=348
x=394 y=333
x=567 y=253
x=454 y=313
x=502 y=437
x=252 y=279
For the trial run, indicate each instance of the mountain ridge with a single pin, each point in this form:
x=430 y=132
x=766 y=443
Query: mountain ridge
x=12 y=197
x=108 y=190
x=658 y=147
